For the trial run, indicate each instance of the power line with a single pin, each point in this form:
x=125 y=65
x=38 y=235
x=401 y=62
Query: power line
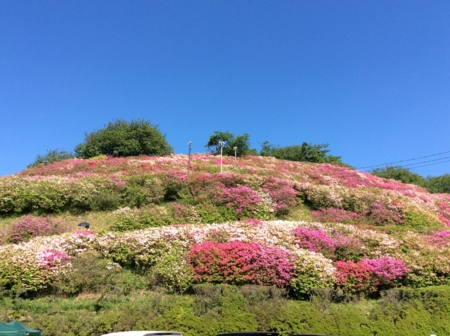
x=417 y=158
x=432 y=171
x=413 y=164
x=430 y=164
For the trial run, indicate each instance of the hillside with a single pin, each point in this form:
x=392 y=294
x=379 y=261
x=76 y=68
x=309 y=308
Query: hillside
x=306 y=229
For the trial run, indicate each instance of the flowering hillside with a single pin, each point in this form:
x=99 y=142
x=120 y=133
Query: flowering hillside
x=262 y=221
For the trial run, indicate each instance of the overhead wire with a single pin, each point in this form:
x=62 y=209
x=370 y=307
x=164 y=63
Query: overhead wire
x=417 y=158
x=431 y=164
x=414 y=166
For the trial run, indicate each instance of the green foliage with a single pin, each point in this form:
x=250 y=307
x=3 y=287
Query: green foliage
x=92 y=274
x=218 y=309
x=310 y=273
x=307 y=152
x=400 y=174
x=51 y=156
x=130 y=219
x=419 y=220
x=173 y=271
x=144 y=189
x=213 y=214
x=434 y=184
x=241 y=142
x=438 y=184
x=122 y=138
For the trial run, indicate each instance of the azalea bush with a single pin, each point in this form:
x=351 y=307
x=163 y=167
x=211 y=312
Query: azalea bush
x=312 y=271
x=241 y=263
x=25 y=269
x=440 y=238
x=90 y=273
x=129 y=219
x=348 y=248
x=355 y=277
x=315 y=241
x=282 y=194
x=337 y=216
x=380 y=214
x=28 y=227
x=388 y=270
x=173 y=271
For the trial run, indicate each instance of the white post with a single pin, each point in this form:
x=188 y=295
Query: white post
x=189 y=161
x=221 y=143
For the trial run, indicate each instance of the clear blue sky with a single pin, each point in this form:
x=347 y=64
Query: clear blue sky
x=371 y=78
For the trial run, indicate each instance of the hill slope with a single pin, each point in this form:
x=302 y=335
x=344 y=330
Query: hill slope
x=296 y=226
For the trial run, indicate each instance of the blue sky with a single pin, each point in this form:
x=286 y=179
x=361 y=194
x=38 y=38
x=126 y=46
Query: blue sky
x=371 y=78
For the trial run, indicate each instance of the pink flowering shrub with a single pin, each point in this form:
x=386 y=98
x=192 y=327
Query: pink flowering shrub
x=282 y=193
x=336 y=216
x=388 y=270
x=208 y=188
x=355 y=277
x=51 y=260
x=380 y=214
x=183 y=213
x=29 y=227
x=315 y=241
x=440 y=238
x=243 y=199
x=240 y=263
x=347 y=248
x=444 y=209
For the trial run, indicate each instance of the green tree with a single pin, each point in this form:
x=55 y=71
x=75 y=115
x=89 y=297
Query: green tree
x=438 y=184
x=122 y=138
x=53 y=155
x=307 y=152
x=241 y=142
x=401 y=174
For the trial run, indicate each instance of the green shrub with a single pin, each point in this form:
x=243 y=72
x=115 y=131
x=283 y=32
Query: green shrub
x=218 y=309
x=173 y=271
x=419 y=220
x=106 y=200
x=128 y=219
x=144 y=189
x=92 y=274
x=211 y=214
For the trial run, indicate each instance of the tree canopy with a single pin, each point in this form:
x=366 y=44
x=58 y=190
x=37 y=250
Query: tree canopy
x=434 y=184
x=438 y=184
x=122 y=138
x=53 y=155
x=306 y=152
x=401 y=174
x=241 y=142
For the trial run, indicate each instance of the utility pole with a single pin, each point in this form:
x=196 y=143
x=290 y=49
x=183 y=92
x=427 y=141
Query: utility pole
x=189 y=160
x=221 y=143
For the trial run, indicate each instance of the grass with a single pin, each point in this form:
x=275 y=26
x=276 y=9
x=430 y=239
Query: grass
x=99 y=220
x=299 y=213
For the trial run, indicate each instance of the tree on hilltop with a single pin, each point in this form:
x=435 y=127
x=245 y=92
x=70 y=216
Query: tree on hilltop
x=434 y=184
x=438 y=184
x=401 y=174
x=306 y=152
x=122 y=138
x=53 y=155
x=241 y=142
